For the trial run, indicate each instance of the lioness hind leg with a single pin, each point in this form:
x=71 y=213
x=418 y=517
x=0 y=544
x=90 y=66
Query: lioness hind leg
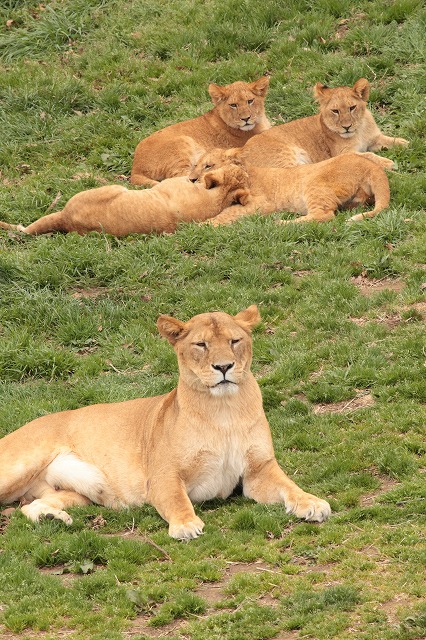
x=269 y=484
x=51 y=505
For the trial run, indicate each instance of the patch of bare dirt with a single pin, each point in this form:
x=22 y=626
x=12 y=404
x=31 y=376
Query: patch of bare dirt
x=30 y=635
x=362 y=400
x=140 y=626
x=369 y=286
x=393 y=318
x=386 y=484
x=94 y=292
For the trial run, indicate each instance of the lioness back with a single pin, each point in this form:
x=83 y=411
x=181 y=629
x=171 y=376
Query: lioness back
x=238 y=115
x=343 y=124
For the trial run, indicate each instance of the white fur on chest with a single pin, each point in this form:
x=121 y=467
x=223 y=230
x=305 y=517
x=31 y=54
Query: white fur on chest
x=221 y=461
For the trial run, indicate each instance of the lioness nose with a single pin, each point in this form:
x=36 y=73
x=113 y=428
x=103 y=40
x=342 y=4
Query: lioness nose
x=347 y=127
x=223 y=367
x=192 y=179
x=246 y=119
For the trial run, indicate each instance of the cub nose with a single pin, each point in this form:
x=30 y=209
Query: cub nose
x=223 y=367
x=246 y=119
x=192 y=179
x=347 y=127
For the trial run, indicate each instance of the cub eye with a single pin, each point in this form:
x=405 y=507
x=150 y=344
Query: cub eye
x=233 y=105
x=336 y=111
x=235 y=341
x=352 y=108
x=208 y=166
x=250 y=101
x=202 y=345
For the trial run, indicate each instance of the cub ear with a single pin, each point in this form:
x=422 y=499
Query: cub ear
x=260 y=87
x=217 y=94
x=233 y=154
x=213 y=179
x=362 y=88
x=170 y=328
x=320 y=91
x=248 y=318
x=241 y=196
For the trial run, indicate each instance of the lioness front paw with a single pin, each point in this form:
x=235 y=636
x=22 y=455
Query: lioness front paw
x=308 y=507
x=37 y=509
x=186 y=530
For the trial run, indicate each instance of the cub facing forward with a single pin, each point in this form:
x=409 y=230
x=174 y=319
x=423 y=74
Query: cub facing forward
x=316 y=190
x=118 y=211
x=238 y=114
x=192 y=444
x=343 y=124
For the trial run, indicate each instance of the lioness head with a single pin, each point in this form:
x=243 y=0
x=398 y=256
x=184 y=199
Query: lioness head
x=214 y=159
x=343 y=108
x=214 y=350
x=241 y=105
x=232 y=179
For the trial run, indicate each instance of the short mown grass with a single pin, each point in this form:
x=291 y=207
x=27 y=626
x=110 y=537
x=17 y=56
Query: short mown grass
x=342 y=306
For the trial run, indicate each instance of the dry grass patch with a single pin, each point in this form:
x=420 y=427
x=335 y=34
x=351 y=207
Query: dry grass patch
x=369 y=286
x=362 y=400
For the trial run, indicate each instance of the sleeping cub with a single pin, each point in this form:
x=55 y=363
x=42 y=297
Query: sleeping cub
x=118 y=211
x=315 y=190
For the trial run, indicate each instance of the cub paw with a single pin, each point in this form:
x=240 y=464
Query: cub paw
x=402 y=141
x=186 y=530
x=37 y=509
x=308 y=507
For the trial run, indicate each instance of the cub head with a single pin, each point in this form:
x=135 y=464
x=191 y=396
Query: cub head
x=214 y=159
x=214 y=350
x=241 y=105
x=233 y=181
x=343 y=109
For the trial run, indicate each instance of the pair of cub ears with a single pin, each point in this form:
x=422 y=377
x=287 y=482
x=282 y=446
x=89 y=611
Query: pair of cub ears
x=258 y=87
x=173 y=329
x=215 y=178
x=361 y=89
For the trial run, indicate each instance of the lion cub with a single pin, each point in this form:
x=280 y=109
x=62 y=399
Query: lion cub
x=343 y=124
x=118 y=211
x=195 y=443
x=316 y=190
x=238 y=114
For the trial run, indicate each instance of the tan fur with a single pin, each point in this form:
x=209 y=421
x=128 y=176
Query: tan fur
x=192 y=444
x=238 y=114
x=344 y=124
x=116 y=210
x=316 y=190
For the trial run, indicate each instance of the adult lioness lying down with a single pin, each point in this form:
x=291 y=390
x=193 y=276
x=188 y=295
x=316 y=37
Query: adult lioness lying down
x=119 y=211
x=192 y=444
x=238 y=115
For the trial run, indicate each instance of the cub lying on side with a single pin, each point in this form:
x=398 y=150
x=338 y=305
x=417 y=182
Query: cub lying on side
x=316 y=190
x=192 y=444
x=238 y=114
x=116 y=210
x=343 y=124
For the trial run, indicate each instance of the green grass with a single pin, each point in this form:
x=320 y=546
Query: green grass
x=80 y=84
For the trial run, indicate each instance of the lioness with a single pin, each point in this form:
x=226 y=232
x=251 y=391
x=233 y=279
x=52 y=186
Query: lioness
x=116 y=210
x=194 y=443
x=343 y=124
x=316 y=190
x=238 y=114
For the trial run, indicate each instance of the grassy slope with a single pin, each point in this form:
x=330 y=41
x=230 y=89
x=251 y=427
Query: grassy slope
x=81 y=83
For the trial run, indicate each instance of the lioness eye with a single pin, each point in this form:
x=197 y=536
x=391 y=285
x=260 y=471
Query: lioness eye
x=208 y=166
x=233 y=106
x=336 y=111
x=250 y=101
x=235 y=341
x=203 y=345
x=352 y=108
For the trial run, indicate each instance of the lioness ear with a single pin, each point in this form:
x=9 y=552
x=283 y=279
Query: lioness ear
x=170 y=328
x=216 y=92
x=362 y=88
x=260 y=87
x=241 y=196
x=213 y=179
x=319 y=91
x=248 y=318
